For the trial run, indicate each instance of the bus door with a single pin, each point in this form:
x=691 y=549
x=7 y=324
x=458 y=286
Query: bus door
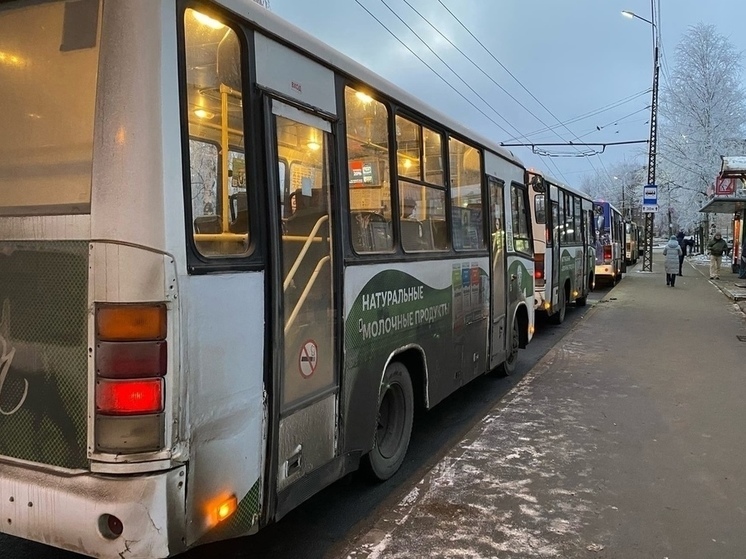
x=305 y=368
x=499 y=300
x=556 y=255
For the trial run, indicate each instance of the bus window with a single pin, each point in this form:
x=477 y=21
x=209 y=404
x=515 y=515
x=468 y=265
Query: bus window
x=521 y=236
x=217 y=160
x=48 y=67
x=540 y=209
x=577 y=220
x=408 y=135
x=466 y=196
x=422 y=220
x=368 y=167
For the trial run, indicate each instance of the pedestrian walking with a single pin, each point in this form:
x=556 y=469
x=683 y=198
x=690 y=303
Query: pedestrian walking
x=672 y=251
x=681 y=239
x=717 y=246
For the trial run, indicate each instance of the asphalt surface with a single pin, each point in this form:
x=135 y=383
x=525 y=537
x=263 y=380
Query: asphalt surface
x=349 y=507
x=626 y=440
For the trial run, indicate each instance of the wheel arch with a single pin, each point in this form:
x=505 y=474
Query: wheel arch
x=412 y=356
x=520 y=317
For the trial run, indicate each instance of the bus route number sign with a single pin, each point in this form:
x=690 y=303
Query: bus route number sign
x=308 y=358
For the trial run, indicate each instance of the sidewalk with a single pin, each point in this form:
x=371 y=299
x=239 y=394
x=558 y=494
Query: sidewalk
x=627 y=440
x=728 y=283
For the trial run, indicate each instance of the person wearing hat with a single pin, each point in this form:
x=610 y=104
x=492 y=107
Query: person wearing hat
x=717 y=246
x=672 y=251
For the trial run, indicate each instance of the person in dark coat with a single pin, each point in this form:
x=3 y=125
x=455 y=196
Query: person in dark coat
x=672 y=252
x=682 y=244
x=717 y=247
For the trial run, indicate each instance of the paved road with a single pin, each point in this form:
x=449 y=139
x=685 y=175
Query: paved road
x=353 y=504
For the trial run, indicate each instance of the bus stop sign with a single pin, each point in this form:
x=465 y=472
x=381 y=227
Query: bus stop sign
x=650 y=198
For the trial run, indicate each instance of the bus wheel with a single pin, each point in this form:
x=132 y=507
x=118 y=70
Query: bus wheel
x=559 y=316
x=394 y=423
x=511 y=359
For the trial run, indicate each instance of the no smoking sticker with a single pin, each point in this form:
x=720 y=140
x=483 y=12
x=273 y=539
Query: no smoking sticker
x=308 y=358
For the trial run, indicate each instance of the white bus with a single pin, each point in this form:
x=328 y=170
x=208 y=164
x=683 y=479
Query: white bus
x=563 y=245
x=232 y=262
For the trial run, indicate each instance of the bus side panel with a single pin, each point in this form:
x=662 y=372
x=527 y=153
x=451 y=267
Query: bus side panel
x=224 y=372
x=428 y=305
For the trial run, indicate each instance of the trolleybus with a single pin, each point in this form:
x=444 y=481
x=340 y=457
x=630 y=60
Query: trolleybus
x=563 y=249
x=232 y=261
x=609 y=241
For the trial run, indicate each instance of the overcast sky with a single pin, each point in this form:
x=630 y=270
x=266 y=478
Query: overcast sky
x=574 y=56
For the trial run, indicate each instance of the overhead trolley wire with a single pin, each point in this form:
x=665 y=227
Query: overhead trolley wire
x=432 y=69
x=455 y=73
x=481 y=44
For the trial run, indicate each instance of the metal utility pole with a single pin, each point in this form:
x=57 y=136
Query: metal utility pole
x=647 y=257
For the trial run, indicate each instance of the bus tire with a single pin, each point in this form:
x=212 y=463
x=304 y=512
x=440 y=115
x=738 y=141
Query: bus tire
x=509 y=366
x=393 y=423
x=559 y=316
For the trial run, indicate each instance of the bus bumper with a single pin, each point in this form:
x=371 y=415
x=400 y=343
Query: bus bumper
x=69 y=510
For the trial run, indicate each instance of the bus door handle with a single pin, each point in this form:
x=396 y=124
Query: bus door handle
x=513 y=277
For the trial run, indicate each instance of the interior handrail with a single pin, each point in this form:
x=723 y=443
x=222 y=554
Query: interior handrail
x=303 y=251
x=306 y=291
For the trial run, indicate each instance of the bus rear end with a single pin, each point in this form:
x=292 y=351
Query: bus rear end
x=88 y=321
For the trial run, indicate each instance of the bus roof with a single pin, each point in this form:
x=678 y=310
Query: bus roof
x=287 y=33
x=604 y=202
x=562 y=185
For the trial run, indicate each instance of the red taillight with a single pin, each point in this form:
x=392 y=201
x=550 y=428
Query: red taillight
x=131 y=361
x=607 y=253
x=129 y=397
x=539 y=266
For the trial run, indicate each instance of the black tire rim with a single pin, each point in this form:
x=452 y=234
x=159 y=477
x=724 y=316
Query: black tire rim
x=391 y=419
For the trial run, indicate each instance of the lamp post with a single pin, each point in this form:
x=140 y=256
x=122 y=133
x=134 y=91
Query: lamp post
x=647 y=258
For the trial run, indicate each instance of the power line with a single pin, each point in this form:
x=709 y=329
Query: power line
x=594 y=112
x=431 y=68
x=559 y=172
x=455 y=73
x=450 y=42
x=508 y=71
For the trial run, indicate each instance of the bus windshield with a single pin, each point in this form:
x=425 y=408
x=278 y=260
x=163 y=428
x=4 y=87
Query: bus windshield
x=48 y=63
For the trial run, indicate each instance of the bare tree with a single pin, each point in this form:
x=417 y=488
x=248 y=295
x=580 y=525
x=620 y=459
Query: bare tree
x=622 y=186
x=702 y=116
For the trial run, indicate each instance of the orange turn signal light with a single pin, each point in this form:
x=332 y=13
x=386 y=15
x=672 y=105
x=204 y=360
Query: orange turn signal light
x=227 y=508
x=131 y=322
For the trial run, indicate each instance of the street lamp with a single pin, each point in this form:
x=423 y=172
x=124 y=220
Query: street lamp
x=647 y=258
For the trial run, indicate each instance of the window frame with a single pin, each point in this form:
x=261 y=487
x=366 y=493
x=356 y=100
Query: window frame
x=526 y=215
x=254 y=257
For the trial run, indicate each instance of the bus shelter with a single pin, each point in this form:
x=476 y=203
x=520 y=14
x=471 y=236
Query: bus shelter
x=730 y=198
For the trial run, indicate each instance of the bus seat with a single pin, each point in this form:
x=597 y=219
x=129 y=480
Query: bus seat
x=239 y=208
x=439 y=234
x=412 y=235
x=371 y=231
x=208 y=224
